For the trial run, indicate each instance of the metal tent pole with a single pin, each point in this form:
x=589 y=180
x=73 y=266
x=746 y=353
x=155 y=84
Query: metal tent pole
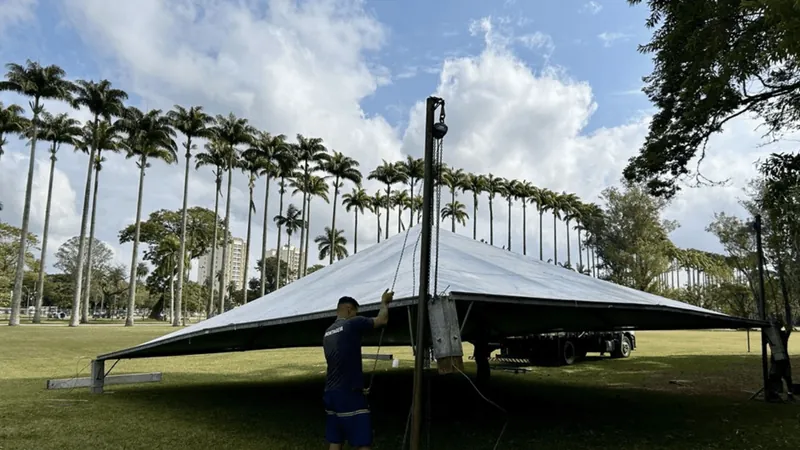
x=762 y=301
x=424 y=271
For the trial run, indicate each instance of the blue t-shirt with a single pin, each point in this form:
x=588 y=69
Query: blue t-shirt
x=342 y=344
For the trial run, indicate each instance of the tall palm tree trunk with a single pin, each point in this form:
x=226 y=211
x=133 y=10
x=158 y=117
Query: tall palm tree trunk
x=333 y=218
x=379 y=227
x=569 y=253
x=174 y=313
x=264 y=240
x=89 y=247
x=37 y=315
x=541 y=236
x=355 y=234
x=411 y=203
x=246 y=256
x=452 y=202
x=388 y=207
x=580 y=250
x=399 y=219
x=182 y=249
x=212 y=277
x=303 y=228
x=474 y=216
x=491 y=221
x=76 y=299
x=555 y=241
x=135 y=253
x=524 y=227
x=16 y=300
x=278 y=255
x=308 y=234
x=509 y=225
x=223 y=287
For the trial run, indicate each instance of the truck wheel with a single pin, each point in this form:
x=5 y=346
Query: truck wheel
x=569 y=353
x=624 y=349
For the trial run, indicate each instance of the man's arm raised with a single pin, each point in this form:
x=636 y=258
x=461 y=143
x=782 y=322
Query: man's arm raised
x=383 y=315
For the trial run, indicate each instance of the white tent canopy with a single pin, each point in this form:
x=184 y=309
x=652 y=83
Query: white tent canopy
x=467 y=270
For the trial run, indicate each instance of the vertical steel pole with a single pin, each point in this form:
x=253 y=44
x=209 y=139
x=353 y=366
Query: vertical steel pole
x=424 y=278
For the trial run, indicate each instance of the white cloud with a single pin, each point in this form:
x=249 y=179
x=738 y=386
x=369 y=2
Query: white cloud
x=610 y=39
x=306 y=69
x=591 y=7
x=538 y=40
x=14 y=13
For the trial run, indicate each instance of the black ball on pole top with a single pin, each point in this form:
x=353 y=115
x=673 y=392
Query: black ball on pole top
x=439 y=130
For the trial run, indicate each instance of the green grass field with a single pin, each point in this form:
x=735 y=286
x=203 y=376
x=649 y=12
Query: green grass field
x=272 y=399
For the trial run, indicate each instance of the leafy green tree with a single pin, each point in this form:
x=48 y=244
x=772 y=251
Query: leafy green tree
x=9 y=248
x=68 y=253
x=633 y=241
x=715 y=60
x=332 y=242
x=271 y=271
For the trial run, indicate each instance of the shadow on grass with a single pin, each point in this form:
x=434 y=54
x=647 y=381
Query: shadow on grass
x=546 y=410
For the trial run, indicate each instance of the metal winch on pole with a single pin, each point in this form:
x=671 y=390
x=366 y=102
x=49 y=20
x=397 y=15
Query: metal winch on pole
x=446 y=338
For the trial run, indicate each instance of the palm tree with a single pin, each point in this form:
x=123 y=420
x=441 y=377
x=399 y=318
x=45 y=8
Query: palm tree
x=32 y=80
x=524 y=192
x=341 y=168
x=476 y=184
x=357 y=200
x=388 y=174
x=494 y=186
x=57 y=130
x=107 y=138
x=12 y=121
x=457 y=212
x=453 y=179
x=268 y=149
x=149 y=136
x=555 y=205
x=102 y=101
x=251 y=164
x=231 y=131
x=332 y=242
x=414 y=171
x=311 y=152
x=192 y=123
x=401 y=200
x=510 y=190
x=380 y=201
x=311 y=186
x=417 y=203
x=287 y=161
x=571 y=211
x=292 y=221
x=216 y=156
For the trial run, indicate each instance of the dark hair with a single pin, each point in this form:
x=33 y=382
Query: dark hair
x=348 y=301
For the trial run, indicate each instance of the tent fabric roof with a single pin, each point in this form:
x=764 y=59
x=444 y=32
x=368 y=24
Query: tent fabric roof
x=465 y=266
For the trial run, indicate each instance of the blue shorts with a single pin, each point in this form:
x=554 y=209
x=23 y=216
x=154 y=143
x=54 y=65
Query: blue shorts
x=347 y=418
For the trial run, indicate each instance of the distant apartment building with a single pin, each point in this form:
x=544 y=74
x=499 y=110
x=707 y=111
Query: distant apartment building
x=234 y=267
x=291 y=256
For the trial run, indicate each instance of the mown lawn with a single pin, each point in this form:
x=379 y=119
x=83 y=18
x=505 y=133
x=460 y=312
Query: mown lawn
x=272 y=399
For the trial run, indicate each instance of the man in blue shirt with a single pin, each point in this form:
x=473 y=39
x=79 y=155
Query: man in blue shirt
x=348 y=418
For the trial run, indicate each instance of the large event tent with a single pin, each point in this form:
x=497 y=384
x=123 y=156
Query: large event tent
x=515 y=295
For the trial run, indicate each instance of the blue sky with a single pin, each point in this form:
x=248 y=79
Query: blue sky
x=542 y=91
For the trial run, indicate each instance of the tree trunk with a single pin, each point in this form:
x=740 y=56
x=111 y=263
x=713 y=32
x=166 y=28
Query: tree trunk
x=213 y=273
x=541 y=236
x=246 y=256
x=308 y=234
x=182 y=251
x=524 y=227
x=378 y=216
x=388 y=205
x=264 y=239
x=37 y=315
x=333 y=218
x=288 y=246
x=76 y=299
x=411 y=209
x=89 y=247
x=580 y=250
x=491 y=221
x=452 y=202
x=355 y=234
x=223 y=287
x=509 y=224
x=569 y=251
x=278 y=254
x=475 y=216
x=174 y=314
x=304 y=220
x=135 y=254
x=555 y=240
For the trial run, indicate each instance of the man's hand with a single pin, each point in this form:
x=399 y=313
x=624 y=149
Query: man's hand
x=387 y=297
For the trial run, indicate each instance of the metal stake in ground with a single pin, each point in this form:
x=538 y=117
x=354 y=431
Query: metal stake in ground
x=432 y=131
